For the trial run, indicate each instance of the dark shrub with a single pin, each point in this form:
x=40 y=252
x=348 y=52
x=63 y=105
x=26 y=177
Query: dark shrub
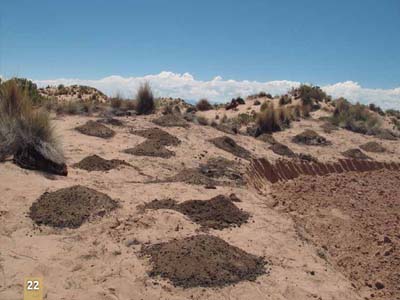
x=145 y=100
x=203 y=105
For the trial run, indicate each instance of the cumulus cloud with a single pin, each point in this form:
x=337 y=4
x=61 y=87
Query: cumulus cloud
x=169 y=84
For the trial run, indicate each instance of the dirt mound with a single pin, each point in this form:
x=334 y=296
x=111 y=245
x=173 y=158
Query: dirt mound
x=229 y=145
x=163 y=137
x=329 y=127
x=268 y=138
x=192 y=176
x=97 y=163
x=373 y=147
x=111 y=121
x=203 y=260
x=171 y=120
x=282 y=150
x=230 y=129
x=70 y=207
x=217 y=213
x=154 y=148
x=386 y=134
x=97 y=129
x=219 y=167
x=32 y=157
x=355 y=221
x=355 y=153
x=310 y=137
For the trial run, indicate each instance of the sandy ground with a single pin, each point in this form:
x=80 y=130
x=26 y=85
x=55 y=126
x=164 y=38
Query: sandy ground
x=100 y=260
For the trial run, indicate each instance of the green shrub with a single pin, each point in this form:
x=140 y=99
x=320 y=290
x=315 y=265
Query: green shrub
x=145 y=100
x=309 y=94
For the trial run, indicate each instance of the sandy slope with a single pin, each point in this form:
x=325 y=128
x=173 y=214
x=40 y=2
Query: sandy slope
x=95 y=261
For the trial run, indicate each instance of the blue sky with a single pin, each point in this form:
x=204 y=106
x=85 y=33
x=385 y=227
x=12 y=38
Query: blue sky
x=320 y=42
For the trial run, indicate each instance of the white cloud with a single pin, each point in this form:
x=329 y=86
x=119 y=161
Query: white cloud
x=185 y=86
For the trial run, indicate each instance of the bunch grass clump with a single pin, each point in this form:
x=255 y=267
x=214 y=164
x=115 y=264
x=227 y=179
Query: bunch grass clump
x=145 y=100
x=271 y=119
x=24 y=125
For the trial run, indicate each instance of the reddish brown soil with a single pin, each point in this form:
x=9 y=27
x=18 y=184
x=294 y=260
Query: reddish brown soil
x=97 y=129
x=355 y=218
x=217 y=213
x=203 y=260
x=97 y=163
x=70 y=207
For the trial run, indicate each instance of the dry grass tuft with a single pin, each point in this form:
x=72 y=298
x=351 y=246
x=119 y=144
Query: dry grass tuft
x=145 y=100
x=22 y=125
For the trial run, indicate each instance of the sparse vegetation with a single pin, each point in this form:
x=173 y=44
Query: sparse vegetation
x=145 y=100
x=203 y=105
x=309 y=94
x=260 y=95
x=285 y=99
x=357 y=117
x=376 y=109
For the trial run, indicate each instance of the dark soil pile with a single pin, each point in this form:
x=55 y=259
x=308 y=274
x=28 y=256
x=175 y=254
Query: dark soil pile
x=354 y=220
x=70 y=207
x=355 y=153
x=152 y=148
x=310 y=137
x=171 y=120
x=97 y=129
x=329 y=127
x=373 y=147
x=33 y=157
x=282 y=150
x=229 y=145
x=217 y=213
x=307 y=157
x=97 y=163
x=111 y=121
x=385 y=134
x=156 y=134
x=203 y=260
x=268 y=138
x=219 y=167
x=230 y=129
x=192 y=176
x=155 y=144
